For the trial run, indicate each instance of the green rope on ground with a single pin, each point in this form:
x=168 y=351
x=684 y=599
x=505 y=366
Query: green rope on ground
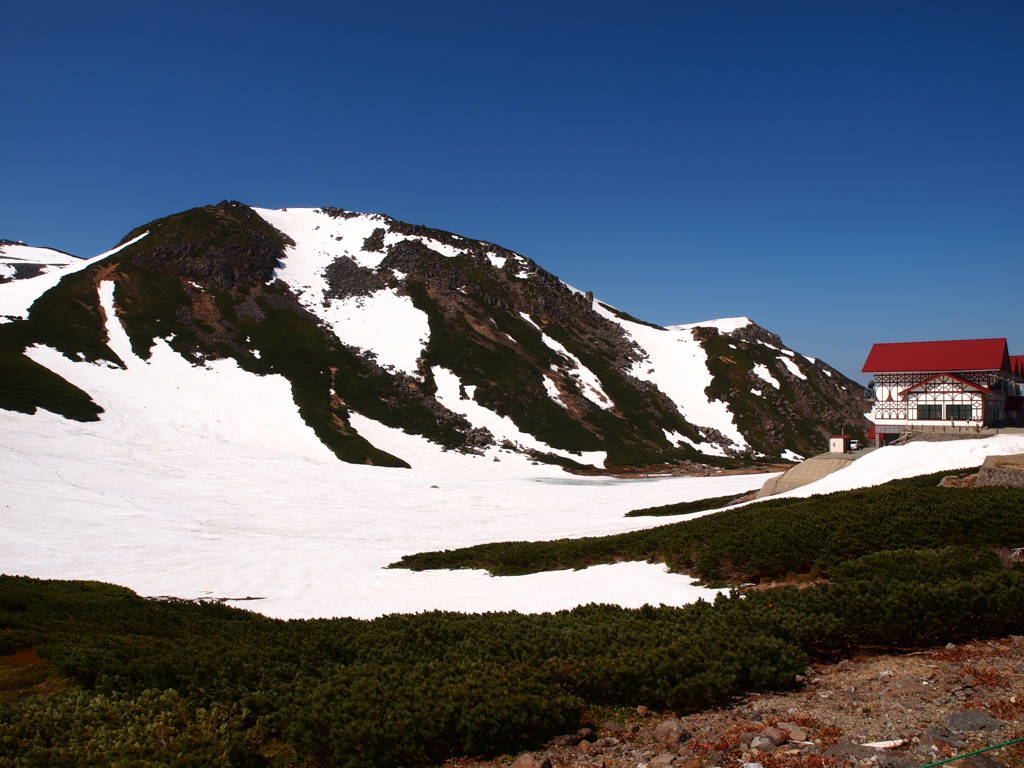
x=968 y=754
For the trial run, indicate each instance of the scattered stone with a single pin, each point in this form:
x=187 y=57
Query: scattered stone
x=612 y=727
x=774 y=735
x=665 y=758
x=643 y=711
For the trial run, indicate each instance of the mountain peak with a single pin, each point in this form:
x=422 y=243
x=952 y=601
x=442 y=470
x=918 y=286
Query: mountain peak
x=470 y=345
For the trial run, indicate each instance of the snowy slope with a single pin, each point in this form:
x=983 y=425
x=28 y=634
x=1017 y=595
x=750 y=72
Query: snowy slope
x=677 y=365
x=18 y=261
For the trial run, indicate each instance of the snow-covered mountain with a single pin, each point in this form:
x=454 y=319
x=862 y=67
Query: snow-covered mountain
x=469 y=345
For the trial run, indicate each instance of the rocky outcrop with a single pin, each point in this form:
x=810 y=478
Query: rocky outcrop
x=227 y=245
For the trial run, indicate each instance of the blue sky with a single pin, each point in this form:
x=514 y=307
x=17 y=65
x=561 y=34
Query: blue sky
x=841 y=172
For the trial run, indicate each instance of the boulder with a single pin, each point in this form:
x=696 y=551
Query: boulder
x=671 y=732
x=981 y=761
x=569 y=740
x=971 y=720
x=531 y=761
x=774 y=735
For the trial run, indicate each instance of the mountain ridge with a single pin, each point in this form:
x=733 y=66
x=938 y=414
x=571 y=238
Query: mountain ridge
x=466 y=343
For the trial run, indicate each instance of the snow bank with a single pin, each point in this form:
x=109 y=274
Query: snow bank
x=918 y=458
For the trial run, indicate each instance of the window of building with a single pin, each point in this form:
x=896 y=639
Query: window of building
x=929 y=412
x=963 y=412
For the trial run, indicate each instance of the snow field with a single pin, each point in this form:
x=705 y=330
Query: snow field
x=204 y=482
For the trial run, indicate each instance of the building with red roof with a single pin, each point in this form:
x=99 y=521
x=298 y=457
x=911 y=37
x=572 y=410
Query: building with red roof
x=961 y=385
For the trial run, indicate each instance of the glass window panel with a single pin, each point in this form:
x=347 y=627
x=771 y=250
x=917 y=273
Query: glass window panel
x=962 y=412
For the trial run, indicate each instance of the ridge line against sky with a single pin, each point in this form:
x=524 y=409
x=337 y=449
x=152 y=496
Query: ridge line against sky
x=842 y=173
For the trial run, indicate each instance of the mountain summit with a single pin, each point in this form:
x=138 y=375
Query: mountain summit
x=472 y=346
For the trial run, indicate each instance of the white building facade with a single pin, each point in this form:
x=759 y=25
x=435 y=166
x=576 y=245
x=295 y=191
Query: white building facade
x=955 y=386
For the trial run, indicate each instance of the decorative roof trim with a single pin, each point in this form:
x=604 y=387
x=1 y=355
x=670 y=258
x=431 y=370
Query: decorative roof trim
x=975 y=387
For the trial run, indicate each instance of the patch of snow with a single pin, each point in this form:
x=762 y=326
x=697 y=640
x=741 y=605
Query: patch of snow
x=529 y=319
x=502 y=427
x=787 y=352
x=677 y=365
x=319 y=240
x=762 y=372
x=498 y=261
x=384 y=322
x=789 y=455
x=811 y=360
x=553 y=392
x=586 y=380
x=827 y=372
x=7 y=270
x=724 y=325
x=448 y=251
x=756 y=392
x=793 y=368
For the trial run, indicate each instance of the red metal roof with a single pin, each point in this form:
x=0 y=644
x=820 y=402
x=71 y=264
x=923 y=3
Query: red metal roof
x=1017 y=364
x=938 y=356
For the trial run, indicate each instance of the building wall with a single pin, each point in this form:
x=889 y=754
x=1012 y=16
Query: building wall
x=930 y=408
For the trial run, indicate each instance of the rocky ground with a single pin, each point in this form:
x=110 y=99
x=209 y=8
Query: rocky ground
x=884 y=711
